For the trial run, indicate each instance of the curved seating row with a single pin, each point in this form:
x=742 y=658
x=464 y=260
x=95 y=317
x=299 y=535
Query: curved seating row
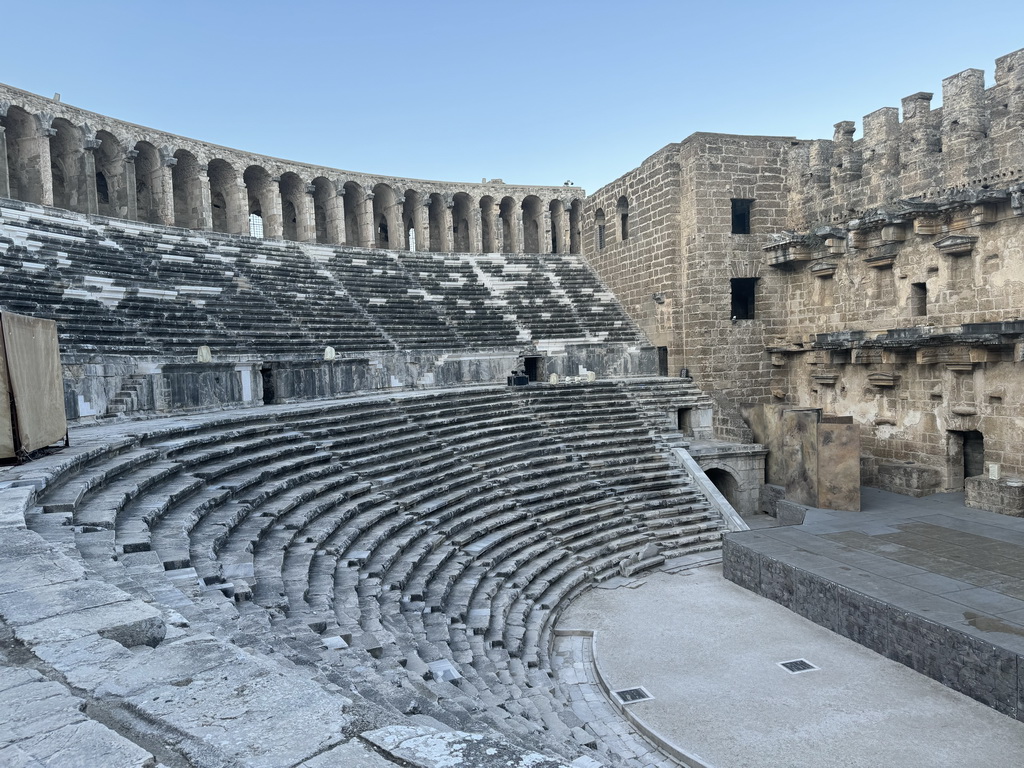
x=416 y=547
x=118 y=287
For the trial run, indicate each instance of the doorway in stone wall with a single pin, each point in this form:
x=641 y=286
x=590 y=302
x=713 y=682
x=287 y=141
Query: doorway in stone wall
x=534 y=367
x=965 y=456
x=267 y=376
x=663 y=361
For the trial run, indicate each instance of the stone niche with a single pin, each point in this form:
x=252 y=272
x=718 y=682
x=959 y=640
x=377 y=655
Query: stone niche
x=814 y=456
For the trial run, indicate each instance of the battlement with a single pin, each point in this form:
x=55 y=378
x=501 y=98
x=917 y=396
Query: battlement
x=974 y=139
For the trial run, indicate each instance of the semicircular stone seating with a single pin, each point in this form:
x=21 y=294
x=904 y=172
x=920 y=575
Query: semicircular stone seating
x=413 y=548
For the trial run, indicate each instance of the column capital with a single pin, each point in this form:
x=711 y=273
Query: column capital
x=310 y=189
x=45 y=120
x=130 y=156
x=167 y=158
x=4 y=106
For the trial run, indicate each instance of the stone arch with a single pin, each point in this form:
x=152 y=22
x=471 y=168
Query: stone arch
x=727 y=484
x=67 y=156
x=462 y=218
x=258 y=189
x=226 y=212
x=575 y=226
x=111 y=176
x=186 y=190
x=294 y=209
x=355 y=196
x=435 y=222
x=622 y=212
x=533 y=224
x=599 y=233
x=387 y=218
x=488 y=231
x=325 y=210
x=556 y=209
x=509 y=225
x=148 y=184
x=23 y=135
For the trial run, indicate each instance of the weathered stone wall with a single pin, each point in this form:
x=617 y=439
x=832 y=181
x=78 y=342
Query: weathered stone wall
x=888 y=278
x=643 y=269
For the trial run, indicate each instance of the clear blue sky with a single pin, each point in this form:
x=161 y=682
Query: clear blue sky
x=530 y=92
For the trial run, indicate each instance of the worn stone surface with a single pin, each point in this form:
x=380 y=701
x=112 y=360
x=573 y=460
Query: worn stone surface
x=919 y=583
x=424 y=747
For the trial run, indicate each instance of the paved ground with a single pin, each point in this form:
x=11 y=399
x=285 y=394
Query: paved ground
x=708 y=651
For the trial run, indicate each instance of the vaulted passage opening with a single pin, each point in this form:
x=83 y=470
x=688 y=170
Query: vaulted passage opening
x=725 y=483
x=918 y=299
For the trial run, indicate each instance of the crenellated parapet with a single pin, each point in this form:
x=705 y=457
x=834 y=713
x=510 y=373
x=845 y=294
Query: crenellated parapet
x=55 y=154
x=975 y=139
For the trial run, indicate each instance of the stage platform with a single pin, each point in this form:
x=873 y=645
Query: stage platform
x=924 y=581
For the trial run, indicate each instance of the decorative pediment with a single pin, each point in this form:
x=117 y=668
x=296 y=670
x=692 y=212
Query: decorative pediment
x=956 y=245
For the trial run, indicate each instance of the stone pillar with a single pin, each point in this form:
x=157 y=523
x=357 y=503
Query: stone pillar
x=305 y=222
x=132 y=198
x=236 y=199
x=5 y=179
x=421 y=224
x=335 y=213
x=447 y=236
x=396 y=226
x=164 y=187
x=476 y=231
x=367 y=237
x=203 y=216
x=517 y=231
x=544 y=246
x=41 y=152
x=91 y=201
x=273 y=219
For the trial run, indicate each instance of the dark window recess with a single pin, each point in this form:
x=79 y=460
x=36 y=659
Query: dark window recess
x=743 y=289
x=102 y=192
x=918 y=299
x=663 y=361
x=797 y=665
x=600 y=236
x=741 y=216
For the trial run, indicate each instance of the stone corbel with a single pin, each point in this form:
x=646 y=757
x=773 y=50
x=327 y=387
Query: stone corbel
x=130 y=155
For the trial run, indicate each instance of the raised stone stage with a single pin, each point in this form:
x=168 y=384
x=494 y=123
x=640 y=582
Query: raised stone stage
x=926 y=582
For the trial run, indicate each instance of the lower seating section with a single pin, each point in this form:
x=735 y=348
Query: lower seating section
x=119 y=287
x=415 y=549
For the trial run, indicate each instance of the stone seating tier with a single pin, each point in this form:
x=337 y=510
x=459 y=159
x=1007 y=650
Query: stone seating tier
x=138 y=289
x=375 y=537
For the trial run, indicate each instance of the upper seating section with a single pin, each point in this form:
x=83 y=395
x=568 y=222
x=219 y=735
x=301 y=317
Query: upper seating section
x=62 y=156
x=118 y=287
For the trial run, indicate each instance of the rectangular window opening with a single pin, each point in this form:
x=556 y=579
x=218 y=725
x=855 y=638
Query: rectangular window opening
x=600 y=236
x=741 y=216
x=743 y=290
x=918 y=299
